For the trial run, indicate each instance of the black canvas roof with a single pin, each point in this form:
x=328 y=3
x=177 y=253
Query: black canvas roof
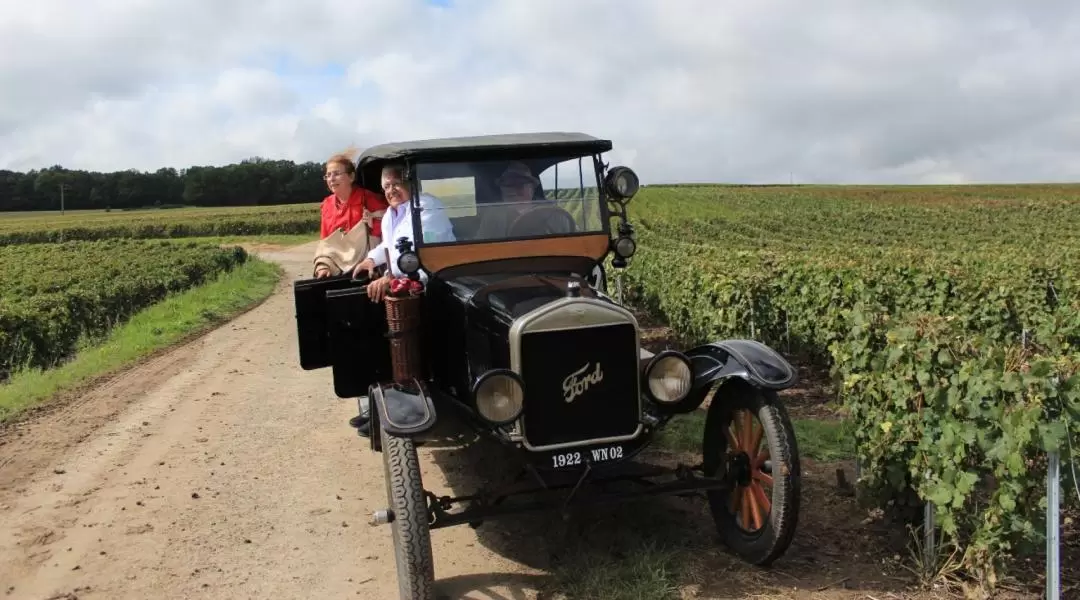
x=534 y=147
x=453 y=147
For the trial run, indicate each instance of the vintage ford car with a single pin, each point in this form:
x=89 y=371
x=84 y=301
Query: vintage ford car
x=508 y=325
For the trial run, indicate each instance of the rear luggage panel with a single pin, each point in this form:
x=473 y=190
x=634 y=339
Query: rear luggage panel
x=309 y=299
x=359 y=351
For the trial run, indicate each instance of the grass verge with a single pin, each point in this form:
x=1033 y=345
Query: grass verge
x=156 y=327
x=651 y=570
x=819 y=440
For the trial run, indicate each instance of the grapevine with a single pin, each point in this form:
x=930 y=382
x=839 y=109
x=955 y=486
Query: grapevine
x=52 y=295
x=950 y=321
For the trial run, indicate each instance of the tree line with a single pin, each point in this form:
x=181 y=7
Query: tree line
x=254 y=181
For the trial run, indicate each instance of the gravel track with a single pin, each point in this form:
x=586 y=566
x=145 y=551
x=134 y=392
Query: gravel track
x=217 y=469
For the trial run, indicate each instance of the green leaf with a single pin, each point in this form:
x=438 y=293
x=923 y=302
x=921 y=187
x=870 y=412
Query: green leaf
x=965 y=483
x=940 y=495
x=1053 y=435
x=1041 y=368
x=1007 y=501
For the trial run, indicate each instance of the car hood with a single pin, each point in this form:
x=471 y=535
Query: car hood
x=507 y=297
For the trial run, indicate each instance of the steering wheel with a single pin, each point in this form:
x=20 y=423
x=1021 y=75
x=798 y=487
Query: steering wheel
x=543 y=220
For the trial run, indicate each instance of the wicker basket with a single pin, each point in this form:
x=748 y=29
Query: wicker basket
x=403 y=318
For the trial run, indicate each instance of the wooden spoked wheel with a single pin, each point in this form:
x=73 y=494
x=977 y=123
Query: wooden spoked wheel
x=748 y=460
x=750 y=443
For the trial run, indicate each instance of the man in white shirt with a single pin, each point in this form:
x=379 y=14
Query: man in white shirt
x=397 y=223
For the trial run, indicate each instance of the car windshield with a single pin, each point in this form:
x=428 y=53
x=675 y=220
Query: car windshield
x=505 y=200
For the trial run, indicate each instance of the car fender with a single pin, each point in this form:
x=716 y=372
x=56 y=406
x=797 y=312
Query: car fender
x=598 y=278
x=402 y=410
x=750 y=360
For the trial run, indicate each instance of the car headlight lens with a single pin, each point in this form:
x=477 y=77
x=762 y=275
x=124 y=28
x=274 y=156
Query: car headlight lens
x=669 y=378
x=622 y=182
x=625 y=247
x=408 y=263
x=499 y=396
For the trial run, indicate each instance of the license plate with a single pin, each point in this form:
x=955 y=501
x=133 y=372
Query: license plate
x=595 y=455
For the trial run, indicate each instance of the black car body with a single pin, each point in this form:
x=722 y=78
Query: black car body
x=518 y=334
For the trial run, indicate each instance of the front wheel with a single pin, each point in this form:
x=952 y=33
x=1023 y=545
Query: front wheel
x=412 y=536
x=749 y=440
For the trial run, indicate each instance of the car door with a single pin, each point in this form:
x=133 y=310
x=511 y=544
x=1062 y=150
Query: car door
x=338 y=327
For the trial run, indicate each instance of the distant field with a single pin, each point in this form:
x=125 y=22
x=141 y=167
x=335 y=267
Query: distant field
x=792 y=257
x=40 y=227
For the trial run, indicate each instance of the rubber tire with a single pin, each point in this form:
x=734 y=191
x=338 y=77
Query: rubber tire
x=411 y=535
x=772 y=540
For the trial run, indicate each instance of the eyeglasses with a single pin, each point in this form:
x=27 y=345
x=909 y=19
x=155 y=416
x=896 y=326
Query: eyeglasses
x=393 y=185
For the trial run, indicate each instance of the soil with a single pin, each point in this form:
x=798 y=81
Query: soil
x=220 y=469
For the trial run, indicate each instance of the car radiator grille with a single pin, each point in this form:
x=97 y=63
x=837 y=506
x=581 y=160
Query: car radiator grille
x=596 y=368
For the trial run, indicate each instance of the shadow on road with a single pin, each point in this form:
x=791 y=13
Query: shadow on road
x=653 y=546
x=494 y=586
x=634 y=545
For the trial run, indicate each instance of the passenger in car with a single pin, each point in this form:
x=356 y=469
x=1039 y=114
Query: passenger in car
x=351 y=219
x=518 y=197
x=517 y=185
x=397 y=223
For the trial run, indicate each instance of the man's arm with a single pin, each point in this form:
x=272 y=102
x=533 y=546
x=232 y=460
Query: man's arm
x=378 y=253
x=435 y=224
x=375 y=257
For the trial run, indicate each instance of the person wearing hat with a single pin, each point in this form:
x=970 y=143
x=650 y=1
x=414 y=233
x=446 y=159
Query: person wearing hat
x=517 y=184
x=517 y=187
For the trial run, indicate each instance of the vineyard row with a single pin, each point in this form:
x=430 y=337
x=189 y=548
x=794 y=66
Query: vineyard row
x=54 y=295
x=958 y=375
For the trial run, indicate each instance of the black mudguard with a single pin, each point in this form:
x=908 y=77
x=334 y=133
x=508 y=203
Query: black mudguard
x=402 y=410
x=750 y=360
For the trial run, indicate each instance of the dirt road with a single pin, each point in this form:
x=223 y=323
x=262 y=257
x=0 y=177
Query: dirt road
x=217 y=470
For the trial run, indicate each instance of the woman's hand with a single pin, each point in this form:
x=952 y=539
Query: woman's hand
x=376 y=290
x=322 y=271
x=365 y=265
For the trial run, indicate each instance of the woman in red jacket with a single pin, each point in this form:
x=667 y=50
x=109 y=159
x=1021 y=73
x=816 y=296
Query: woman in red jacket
x=348 y=204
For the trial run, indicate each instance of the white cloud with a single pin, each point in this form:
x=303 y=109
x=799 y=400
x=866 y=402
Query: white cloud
x=688 y=90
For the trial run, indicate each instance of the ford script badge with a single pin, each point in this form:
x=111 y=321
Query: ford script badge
x=578 y=382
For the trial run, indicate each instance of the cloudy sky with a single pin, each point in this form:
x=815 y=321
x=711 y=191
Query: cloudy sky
x=688 y=90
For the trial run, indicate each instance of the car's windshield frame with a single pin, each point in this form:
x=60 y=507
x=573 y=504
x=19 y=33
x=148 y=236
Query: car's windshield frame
x=588 y=177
